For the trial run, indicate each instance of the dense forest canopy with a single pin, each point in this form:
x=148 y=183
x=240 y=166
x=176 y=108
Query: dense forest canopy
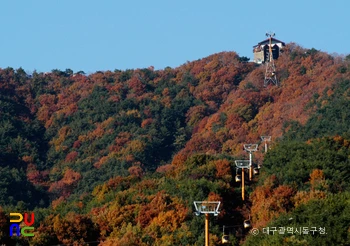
x=118 y=157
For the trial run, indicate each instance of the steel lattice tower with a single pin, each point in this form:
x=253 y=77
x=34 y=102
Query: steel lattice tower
x=270 y=73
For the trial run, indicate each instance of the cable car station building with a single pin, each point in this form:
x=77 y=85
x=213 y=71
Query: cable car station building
x=261 y=50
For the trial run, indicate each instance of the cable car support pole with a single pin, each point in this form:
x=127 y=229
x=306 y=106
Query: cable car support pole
x=250 y=166
x=206 y=229
x=243 y=184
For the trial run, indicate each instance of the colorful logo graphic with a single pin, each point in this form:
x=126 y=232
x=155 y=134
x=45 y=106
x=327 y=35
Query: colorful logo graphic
x=26 y=231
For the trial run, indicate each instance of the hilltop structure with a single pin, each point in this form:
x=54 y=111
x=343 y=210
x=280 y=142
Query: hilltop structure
x=261 y=50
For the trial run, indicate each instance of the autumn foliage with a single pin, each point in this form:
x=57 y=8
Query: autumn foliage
x=118 y=157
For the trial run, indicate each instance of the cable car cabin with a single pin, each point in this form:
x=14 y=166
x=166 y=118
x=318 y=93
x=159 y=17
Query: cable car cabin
x=238 y=178
x=225 y=239
x=247 y=224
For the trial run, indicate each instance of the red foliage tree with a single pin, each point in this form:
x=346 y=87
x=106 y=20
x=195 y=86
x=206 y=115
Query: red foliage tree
x=71 y=156
x=65 y=186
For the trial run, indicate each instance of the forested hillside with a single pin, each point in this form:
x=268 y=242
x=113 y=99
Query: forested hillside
x=117 y=158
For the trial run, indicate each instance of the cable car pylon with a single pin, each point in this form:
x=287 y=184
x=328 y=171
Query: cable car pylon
x=270 y=72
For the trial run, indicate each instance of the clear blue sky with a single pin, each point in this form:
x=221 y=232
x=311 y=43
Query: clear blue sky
x=93 y=35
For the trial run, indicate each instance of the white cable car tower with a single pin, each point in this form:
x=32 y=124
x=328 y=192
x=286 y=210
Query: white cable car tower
x=250 y=148
x=266 y=139
x=270 y=73
x=207 y=207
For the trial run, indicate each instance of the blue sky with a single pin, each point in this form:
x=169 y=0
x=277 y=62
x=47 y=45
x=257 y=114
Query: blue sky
x=110 y=34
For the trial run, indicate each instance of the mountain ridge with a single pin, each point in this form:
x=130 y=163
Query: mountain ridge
x=141 y=144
